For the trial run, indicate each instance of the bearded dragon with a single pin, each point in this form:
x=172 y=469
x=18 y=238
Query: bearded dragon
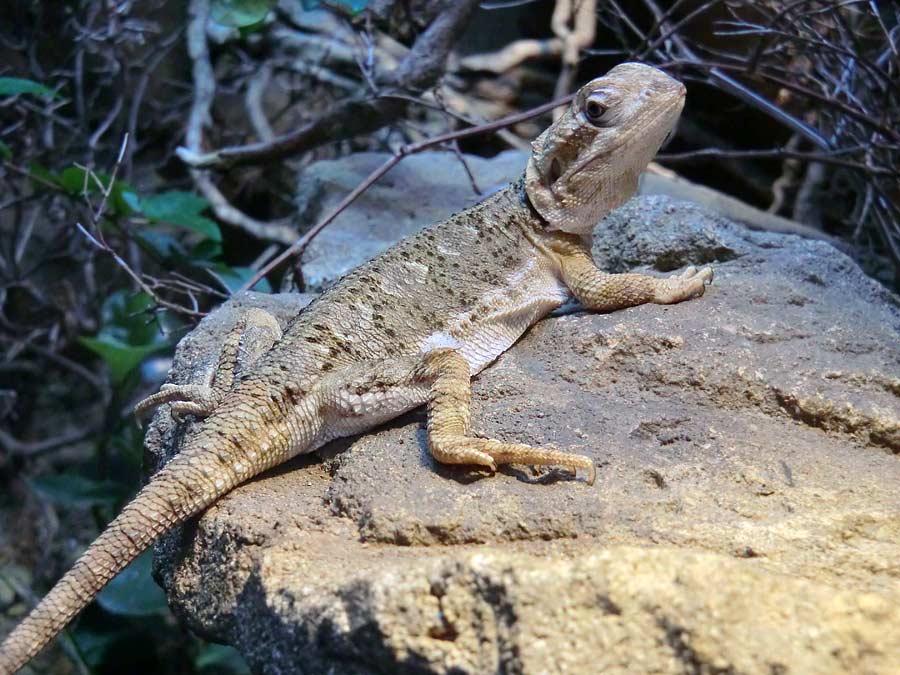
x=410 y=327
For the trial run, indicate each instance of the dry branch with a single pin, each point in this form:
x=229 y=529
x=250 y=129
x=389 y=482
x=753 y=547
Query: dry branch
x=419 y=70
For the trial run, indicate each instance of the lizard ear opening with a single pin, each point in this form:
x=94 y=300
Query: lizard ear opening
x=544 y=169
x=555 y=171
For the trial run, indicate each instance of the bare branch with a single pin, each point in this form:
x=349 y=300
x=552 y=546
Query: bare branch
x=355 y=116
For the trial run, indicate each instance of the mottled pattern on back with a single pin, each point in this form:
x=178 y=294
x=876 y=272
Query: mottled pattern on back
x=450 y=278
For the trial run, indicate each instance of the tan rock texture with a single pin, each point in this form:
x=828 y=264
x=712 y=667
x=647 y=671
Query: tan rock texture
x=746 y=516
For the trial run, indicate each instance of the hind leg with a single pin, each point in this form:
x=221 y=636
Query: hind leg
x=252 y=336
x=449 y=434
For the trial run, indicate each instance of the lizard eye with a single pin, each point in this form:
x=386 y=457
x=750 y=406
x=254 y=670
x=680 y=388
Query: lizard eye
x=594 y=110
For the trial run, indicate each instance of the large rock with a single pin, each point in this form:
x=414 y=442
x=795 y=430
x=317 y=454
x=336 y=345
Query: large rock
x=746 y=516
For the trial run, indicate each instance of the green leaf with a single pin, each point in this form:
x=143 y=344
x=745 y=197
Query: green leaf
x=43 y=173
x=119 y=357
x=240 y=13
x=75 y=490
x=235 y=277
x=133 y=592
x=11 y=86
x=124 y=318
x=206 y=250
x=164 y=245
x=130 y=198
x=220 y=659
x=76 y=180
x=95 y=644
x=244 y=31
x=5 y=152
x=354 y=6
x=172 y=203
x=181 y=209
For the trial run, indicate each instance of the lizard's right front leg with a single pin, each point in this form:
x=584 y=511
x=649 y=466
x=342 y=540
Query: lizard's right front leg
x=600 y=291
x=254 y=334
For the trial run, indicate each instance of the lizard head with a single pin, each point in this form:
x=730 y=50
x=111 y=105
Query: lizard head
x=588 y=161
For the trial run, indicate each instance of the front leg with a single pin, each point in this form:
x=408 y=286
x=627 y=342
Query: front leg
x=599 y=291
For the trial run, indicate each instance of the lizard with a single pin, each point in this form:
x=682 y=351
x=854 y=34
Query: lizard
x=411 y=327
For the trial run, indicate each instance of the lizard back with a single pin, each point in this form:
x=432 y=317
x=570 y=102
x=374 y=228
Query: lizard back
x=474 y=282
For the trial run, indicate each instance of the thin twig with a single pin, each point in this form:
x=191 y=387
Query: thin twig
x=780 y=153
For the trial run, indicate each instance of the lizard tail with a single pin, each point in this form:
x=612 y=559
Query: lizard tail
x=178 y=491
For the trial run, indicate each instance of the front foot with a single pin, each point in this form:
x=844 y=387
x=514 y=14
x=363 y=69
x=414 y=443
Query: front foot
x=689 y=284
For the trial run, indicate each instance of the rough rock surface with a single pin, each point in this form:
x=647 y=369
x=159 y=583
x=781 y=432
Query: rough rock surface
x=746 y=516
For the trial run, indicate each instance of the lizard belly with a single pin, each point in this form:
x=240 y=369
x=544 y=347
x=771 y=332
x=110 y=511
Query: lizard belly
x=493 y=325
x=362 y=412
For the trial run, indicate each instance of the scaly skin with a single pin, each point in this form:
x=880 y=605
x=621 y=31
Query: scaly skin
x=408 y=328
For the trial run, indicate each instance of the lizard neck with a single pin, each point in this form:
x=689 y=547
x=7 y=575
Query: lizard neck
x=538 y=230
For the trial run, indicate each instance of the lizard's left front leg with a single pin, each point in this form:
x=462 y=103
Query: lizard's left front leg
x=368 y=393
x=599 y=291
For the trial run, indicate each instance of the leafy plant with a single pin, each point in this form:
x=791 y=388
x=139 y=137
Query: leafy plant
x=182 y=209
x=133 y=592
x=352 y=6
x=127 y=337
x=213 y=658
x=80 y=182
x=70 y=489
x=12 y=86
x=240 y=13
